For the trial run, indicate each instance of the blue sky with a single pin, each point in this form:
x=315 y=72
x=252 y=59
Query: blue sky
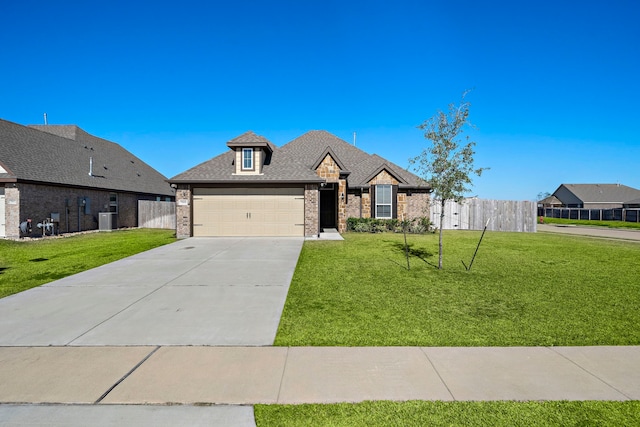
x=554 y=100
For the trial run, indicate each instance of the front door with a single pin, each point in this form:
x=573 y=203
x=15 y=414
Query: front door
x=329 y=206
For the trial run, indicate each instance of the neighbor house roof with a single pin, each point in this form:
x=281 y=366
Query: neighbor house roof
x=602 y=193
x=551 y=200
x=64 y=155
x=297 y=160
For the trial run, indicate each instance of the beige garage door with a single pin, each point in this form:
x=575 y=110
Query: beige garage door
x=248 y=212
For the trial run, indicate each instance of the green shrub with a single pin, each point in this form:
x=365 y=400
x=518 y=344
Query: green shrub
x=361 y=227
x=419 y=225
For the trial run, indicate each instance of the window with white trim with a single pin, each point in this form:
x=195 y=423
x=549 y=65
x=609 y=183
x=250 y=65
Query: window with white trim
x=383 y=201
x=247 y=158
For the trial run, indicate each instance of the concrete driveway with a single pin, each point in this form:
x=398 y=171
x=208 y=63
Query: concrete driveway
x=198 y=291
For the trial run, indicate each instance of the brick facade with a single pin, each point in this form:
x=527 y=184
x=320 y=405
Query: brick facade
x=353 y=205
x=330 y=171
x=38 y=202
x=417 y=204
x=366 y=204
x=409 y=204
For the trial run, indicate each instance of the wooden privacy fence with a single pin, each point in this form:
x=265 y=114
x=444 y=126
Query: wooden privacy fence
x=473 y=214
x=152 y=214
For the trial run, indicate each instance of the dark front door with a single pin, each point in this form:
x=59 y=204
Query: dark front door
x=329 y=206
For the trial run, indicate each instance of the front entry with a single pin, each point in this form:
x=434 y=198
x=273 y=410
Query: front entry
x=329 y=206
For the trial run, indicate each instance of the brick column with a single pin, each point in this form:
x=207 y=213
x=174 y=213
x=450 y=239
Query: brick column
x=183 y=211
x=311 y=210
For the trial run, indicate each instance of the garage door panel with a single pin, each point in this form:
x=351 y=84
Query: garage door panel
x=248 y=212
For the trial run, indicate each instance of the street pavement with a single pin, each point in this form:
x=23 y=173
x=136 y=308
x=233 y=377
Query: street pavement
x=603 y=232
x=183 y=334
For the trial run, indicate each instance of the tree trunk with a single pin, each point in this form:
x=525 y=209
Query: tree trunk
x=442 y=204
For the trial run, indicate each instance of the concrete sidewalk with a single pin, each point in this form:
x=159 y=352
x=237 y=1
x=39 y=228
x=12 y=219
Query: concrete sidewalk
x=250 y=375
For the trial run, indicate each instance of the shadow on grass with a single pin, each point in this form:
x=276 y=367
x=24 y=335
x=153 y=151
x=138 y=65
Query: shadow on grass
x=419 y=253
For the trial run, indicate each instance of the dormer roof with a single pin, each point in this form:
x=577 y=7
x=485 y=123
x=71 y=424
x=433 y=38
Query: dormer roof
x=251 y=140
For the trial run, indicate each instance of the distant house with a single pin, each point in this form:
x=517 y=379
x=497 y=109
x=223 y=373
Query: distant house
x=550 y=202
x=596 y=196
x=314 y=182
x=64 y=173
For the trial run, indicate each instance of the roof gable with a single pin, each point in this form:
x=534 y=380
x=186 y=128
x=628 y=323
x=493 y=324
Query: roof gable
x=390 y=171
x=329 y=152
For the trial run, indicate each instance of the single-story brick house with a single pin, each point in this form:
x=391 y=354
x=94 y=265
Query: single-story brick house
x=312 y=183
x=64 y=173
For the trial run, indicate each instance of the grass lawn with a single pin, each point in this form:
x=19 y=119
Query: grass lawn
x=609 y=224
x=26 y=264
x=525 y=289
x=418 y=413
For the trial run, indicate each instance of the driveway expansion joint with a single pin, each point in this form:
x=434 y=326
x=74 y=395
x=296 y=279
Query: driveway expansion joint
x=125 y=376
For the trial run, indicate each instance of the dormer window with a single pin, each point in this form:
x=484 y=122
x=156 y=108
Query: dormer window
x=247 y=159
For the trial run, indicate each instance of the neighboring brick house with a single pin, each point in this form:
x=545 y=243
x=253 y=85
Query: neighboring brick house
x=63 y=170
x=314 y=182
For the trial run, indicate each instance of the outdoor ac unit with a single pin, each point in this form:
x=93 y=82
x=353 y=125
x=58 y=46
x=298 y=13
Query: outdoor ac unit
x=107 y=221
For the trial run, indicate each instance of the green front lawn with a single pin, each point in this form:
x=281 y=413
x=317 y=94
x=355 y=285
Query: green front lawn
x=525 y=289
x=30 y=263
x=418 y=413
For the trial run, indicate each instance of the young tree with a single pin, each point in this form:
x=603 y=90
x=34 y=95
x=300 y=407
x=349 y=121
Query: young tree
x=447 y=165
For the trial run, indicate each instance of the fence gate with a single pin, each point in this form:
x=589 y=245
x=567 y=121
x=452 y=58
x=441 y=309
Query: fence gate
x=152 y=214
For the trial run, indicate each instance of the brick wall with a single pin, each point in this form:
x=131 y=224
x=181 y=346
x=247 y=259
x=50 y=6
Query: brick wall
x=353 y=205
x=417 y=204
x=38 y=202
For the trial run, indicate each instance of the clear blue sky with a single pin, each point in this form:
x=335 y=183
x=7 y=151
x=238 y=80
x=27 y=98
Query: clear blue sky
x=555 y=83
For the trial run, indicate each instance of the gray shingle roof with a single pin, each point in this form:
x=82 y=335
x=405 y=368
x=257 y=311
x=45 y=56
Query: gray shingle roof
x=603 y=193
x=61 y=155
x=295 y=162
